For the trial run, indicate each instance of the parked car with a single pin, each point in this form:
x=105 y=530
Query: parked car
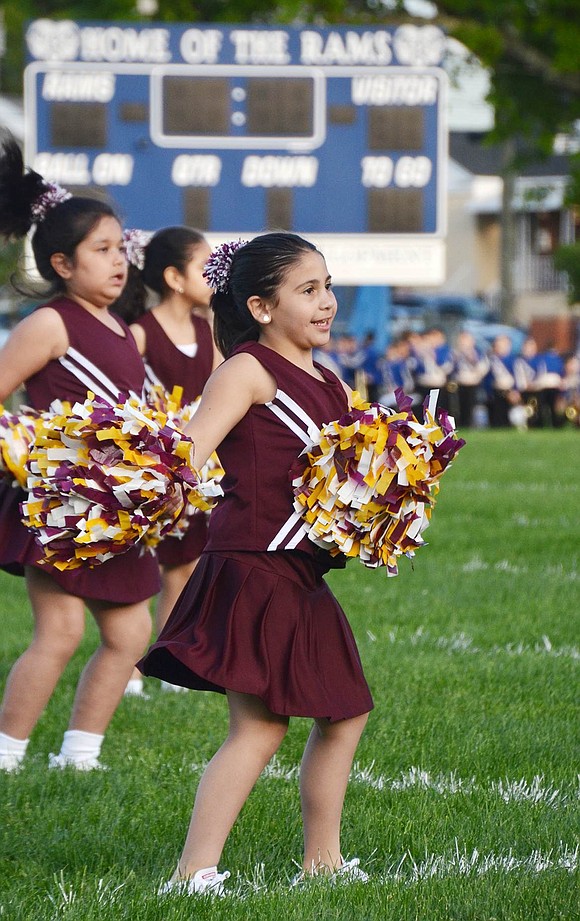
x=438 y=306
x=485 y=333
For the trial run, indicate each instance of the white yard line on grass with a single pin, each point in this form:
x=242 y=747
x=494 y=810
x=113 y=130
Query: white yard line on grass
x=463 y=643
x=537 y=791
x=520 y=791
x=474 y=863
x=405 y=870
x=474 y=486
x=476 y=564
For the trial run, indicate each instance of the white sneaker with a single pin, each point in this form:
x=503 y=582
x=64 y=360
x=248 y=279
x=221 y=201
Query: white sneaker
x=61 y=762
x=176 y=688
x=349 y=872
x=135 y=689
x=11 y=763
x=207 y=880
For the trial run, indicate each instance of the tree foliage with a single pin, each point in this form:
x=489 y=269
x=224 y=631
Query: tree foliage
x=567 y=259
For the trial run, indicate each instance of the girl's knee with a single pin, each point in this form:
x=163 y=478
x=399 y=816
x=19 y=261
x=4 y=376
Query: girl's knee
x=125 y=632
x=58 y=648
x=57 y=638
x=265 y=737
x=351 y=727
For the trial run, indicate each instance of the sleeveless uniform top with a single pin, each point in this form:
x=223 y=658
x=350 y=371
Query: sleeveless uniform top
x=257 y=616
x=256 y=512
x=109 y=364
x=167 y=365
x=97 y=359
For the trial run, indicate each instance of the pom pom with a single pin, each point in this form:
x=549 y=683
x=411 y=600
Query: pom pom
x=17 y=432
x=52 y=195
x=367 y=487
x=102 y=478
x=135 y=242
x=219 y=265
x=210 y=474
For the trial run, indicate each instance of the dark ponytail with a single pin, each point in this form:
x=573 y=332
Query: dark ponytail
x=63 y=226
x=19 y=190
x=257 y=269
x=171 y=246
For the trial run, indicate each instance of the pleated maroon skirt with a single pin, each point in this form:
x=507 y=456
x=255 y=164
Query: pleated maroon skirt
x=175 y=551
x=128 y=578
x=264 y=624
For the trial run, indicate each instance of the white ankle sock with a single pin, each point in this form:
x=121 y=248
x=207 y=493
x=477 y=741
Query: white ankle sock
x=11 y=746
x=12 y=751
x=81 y=746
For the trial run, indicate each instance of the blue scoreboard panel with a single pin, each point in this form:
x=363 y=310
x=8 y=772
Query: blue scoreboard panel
x=335 y=133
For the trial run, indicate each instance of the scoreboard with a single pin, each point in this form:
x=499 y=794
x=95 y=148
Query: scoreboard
x=336 y=133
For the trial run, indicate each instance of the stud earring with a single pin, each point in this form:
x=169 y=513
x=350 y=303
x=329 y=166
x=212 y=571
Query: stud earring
x=266 y=318
x=180 y=290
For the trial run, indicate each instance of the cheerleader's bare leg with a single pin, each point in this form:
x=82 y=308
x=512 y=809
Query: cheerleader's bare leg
x=324 y=777
x=173 y=581
x=255 y=734
x=125 y=631
x=59 y=623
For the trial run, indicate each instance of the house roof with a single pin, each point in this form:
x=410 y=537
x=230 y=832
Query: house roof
x=472 y=152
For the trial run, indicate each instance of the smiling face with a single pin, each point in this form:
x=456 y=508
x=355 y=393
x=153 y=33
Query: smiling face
x=97 y=273
x=301 y=317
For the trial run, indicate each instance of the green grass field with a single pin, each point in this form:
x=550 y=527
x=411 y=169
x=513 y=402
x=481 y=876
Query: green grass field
x=465 y=798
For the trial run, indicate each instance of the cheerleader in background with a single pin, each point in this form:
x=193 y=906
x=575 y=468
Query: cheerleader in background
x=549 y=385
x=394 y=370
x=502 y=391
x=176 y=342
x=433 y=364
x=526 y=369
x=470 y=366
x=569 y=401
x=67 y=346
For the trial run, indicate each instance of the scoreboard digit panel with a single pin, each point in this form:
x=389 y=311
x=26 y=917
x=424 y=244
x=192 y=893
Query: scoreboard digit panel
x=195 y=106
x=393 y=128
x=79 y=124
x=227 y=107
x=280 y=107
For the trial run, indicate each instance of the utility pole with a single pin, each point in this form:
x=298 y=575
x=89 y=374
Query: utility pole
x=508 y=232
x=2 y=39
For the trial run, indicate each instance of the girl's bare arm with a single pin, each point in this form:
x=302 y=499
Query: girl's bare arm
x=228 y=395
x=36 y=340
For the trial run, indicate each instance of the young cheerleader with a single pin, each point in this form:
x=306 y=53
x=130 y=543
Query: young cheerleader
x=256 y=620
x=175 y=340
x=66 y=347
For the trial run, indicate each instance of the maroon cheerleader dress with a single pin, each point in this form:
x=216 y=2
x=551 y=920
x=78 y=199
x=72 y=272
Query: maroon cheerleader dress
x=257 y=616
x=108 y=364
x=167 y=365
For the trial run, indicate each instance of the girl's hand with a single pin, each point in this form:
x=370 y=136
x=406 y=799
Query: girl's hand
x=232 y=389
x=38 y=339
